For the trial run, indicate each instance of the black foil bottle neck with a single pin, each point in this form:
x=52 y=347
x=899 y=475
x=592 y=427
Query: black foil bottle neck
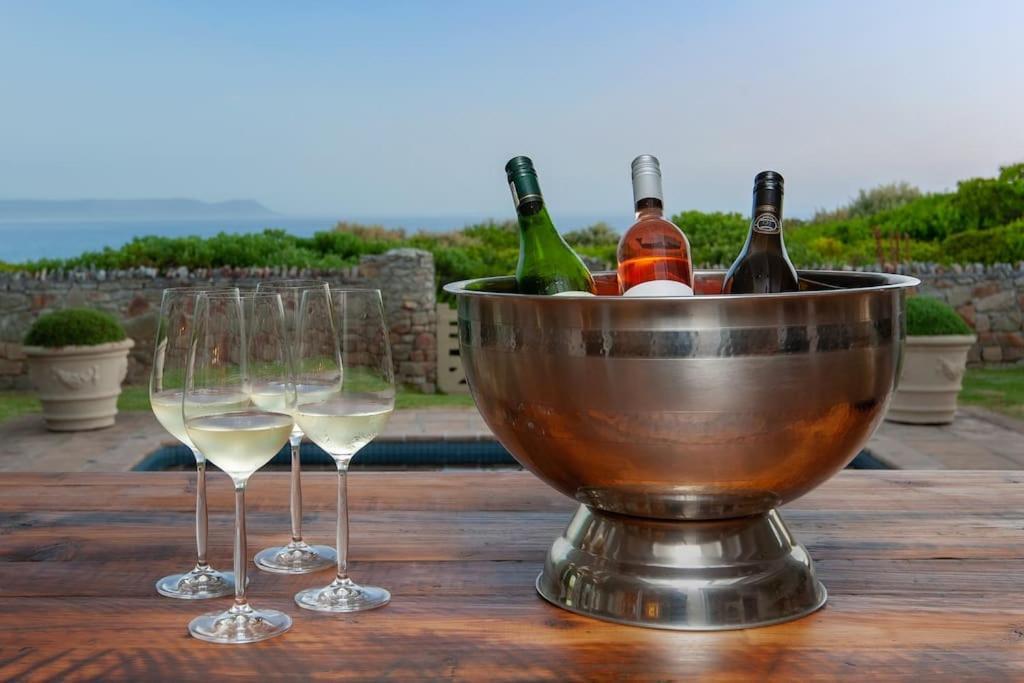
x=768 y=192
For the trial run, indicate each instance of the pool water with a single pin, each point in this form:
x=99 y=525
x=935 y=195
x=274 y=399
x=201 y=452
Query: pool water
x=482 y=454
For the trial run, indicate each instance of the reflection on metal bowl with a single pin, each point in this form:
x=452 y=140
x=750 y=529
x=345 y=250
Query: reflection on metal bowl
x=683 y=409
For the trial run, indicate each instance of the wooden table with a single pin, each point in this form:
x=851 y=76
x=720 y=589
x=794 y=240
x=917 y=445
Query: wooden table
x=925 y=572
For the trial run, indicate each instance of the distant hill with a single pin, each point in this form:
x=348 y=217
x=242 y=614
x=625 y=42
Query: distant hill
x=128 y=209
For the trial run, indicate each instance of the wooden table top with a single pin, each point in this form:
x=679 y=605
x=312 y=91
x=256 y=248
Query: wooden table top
x=925 y=572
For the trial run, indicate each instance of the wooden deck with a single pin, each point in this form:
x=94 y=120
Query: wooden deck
x=925 y=572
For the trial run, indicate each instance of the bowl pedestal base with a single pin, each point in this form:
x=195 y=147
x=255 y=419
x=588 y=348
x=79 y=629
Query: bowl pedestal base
x=687 y=575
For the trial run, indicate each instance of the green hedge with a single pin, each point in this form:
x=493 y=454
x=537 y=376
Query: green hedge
x=1004 y=244
x=74 y=327
x=268 y=248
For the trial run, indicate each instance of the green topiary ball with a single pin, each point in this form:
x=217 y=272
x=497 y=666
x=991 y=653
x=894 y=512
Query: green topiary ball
x=74 y=327
x=927 y=317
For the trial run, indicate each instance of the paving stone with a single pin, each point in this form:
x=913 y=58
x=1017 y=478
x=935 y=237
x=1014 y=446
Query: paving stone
x=977 y=439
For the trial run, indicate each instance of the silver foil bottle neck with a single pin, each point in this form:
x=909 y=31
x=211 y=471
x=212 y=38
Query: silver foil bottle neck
x=646 y=178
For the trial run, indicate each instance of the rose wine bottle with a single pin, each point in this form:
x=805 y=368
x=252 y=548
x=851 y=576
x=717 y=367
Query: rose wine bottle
x=547 y=265
x=654 y=254
x=763 y=266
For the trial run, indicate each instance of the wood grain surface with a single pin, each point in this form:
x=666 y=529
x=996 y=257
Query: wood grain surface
x=925 y=572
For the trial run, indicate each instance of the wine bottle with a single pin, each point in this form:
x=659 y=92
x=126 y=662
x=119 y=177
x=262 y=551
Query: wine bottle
x=654 y=254
x=763 y=266
x=547 y=265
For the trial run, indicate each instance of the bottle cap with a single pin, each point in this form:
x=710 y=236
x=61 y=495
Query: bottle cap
x=646 y=178
x=772 y=180
x=522 y=180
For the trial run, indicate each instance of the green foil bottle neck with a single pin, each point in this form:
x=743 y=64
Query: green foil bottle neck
x=523 y=183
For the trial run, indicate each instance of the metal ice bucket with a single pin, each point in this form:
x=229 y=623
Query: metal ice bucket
x=680 y=425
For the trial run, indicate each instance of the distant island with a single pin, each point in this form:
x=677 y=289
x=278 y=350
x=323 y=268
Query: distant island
x=128 y=209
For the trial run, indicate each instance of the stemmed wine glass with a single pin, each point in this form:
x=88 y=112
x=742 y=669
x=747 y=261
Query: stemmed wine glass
x=344 y=344
x=297 y=556
x=239 y=341
x=166 y=383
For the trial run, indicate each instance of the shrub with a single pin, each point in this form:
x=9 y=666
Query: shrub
x=715 y=238
x=988 y=202
x=74 y=327
x=479 y=250
x=369 y=233
x=870 y=202
x=995 y=245
x=926 y=316
x=597 y=235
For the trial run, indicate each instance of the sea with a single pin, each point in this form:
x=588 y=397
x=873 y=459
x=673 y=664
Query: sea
x=22 y=241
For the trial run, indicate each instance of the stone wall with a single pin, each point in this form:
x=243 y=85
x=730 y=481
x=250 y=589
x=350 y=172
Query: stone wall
x=404 y=276
x=989 y=298
x=406 y=280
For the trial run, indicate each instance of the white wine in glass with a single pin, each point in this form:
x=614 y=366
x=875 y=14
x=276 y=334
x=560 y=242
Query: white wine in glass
x=166 y=393
x=345 y=423
x=168 y=410
x=238 y=441
x=239 y=342
x=350 y=344
x=297 y=556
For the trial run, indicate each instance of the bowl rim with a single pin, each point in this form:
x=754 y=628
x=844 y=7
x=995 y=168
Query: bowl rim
x=893 y=281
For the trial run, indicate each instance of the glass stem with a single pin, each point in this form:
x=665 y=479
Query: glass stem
x=342 y=539
x=202 y=522
x=241 y=552
x=296 y=500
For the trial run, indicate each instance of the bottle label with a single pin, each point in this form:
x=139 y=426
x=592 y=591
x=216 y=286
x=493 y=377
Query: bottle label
x=659 y=288
x=766 y=223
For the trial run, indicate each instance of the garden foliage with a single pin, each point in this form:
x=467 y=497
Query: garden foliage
x=981 y=222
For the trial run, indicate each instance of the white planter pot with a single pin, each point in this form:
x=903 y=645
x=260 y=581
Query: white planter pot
x=933 y=370
x=79 y=385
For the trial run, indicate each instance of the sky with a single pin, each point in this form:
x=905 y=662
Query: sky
x=413 y=108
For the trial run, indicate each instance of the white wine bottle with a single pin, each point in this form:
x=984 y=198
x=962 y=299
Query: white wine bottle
x=547 y=265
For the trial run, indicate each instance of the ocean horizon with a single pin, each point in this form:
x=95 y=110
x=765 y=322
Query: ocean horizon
x=30 y=240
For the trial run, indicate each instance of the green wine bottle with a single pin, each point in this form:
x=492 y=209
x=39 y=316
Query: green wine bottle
x=547 y=265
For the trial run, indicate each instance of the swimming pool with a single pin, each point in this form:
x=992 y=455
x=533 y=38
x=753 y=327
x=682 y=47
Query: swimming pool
x=417 y=454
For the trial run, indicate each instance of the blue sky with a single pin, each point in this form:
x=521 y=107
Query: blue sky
x=412 y=108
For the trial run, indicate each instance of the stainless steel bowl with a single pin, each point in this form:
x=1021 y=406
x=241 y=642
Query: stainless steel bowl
x=683 y=409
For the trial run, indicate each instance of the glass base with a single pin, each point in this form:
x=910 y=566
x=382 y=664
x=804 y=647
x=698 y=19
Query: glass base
x=342 y=596
x=296 y=558
x=240 y=624
x=201 y=583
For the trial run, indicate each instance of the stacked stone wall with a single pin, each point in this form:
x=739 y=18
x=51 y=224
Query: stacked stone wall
x=404 y=276
x=989 y=298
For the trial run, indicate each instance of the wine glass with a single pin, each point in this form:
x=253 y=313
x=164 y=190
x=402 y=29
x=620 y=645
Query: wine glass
x=166 y=383
x=297 y=556
x=348 y=349
x=239 y=341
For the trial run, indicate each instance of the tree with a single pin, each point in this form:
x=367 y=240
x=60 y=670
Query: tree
x=871 y=202
x=597 y=235
x=988 y=202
